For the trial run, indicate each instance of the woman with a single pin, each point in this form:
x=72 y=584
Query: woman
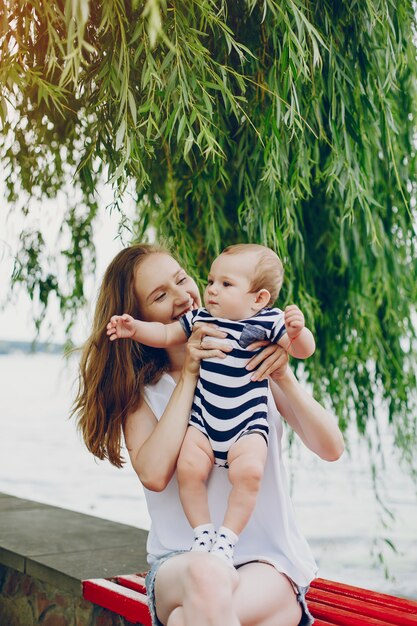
x=147 y=394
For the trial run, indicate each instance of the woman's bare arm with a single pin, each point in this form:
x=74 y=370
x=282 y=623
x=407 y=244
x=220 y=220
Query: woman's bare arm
x=316 y=426
x=154 y=445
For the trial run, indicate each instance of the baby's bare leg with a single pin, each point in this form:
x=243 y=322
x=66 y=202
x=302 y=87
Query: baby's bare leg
x=193 y=468
x=246 y=460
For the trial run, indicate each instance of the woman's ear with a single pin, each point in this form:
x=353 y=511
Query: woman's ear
x=262 y=298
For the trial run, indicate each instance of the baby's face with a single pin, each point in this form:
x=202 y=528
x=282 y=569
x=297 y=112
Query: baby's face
x=227 y=293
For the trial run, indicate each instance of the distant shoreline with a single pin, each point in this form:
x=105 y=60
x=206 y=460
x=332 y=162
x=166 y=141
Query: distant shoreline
x=30 y=347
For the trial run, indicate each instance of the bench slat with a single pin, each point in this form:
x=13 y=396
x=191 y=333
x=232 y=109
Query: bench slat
x=383 y=599
x=126 y=602
x=132 y=581
x=363 y=607
x=343 y=617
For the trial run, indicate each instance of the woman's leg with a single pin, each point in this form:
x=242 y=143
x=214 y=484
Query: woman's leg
x=265 y=597
x=195 y=589
x=176 y=618
x=198 y=589
x=194 y=465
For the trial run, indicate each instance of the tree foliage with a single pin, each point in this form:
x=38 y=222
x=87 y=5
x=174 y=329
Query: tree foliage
x=284 y=122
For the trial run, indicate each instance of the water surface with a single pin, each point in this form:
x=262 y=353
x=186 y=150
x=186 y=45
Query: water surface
x=43 y=458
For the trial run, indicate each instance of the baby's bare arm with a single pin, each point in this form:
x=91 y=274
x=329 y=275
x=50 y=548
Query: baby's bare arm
x=298 y=340
x=302 y=346
x=152 y=334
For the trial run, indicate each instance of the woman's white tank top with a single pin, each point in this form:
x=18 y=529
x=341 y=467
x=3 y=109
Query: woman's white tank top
x=271 y=535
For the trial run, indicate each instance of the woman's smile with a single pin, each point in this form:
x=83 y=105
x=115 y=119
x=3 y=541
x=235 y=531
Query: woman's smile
x=190 y=307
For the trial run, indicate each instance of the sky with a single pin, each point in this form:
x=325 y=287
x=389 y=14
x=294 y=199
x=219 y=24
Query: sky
x=16 y=313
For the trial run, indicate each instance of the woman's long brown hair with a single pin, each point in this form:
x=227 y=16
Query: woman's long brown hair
x=113 y=373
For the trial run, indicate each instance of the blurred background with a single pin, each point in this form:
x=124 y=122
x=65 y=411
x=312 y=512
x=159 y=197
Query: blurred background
x=362 y=532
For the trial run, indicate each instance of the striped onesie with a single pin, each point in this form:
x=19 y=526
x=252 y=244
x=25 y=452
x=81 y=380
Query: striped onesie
x=227 y=403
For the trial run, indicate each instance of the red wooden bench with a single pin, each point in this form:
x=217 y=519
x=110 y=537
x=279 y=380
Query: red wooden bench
x=330 y=602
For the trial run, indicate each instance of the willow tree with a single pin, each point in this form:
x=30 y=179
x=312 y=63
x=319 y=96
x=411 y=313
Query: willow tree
x=284 y=122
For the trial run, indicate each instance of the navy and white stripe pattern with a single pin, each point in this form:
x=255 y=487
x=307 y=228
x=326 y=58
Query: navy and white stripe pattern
x=227 y=404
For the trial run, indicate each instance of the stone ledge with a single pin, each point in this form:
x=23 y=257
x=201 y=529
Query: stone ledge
x=62 y=547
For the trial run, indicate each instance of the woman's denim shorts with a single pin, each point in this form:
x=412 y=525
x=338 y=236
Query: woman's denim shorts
x=306 y=618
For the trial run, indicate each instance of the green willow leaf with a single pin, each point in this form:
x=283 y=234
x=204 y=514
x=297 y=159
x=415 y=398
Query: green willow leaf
x=282 y=122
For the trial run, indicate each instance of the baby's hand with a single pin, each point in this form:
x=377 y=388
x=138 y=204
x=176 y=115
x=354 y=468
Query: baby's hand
x=121 y=327
x=294 y=321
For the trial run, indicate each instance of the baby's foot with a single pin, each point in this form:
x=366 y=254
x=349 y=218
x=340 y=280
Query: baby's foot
x=204 y=537
x=224 y=545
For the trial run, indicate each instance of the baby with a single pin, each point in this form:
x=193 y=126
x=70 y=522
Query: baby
x=228 y=406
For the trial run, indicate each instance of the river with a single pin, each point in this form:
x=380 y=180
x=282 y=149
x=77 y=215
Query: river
x=43 y=458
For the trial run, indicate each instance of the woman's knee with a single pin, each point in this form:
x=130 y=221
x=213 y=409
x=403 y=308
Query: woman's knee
x=211 y=582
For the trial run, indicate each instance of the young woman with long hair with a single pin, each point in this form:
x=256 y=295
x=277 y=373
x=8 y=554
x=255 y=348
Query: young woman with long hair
x=145 y=395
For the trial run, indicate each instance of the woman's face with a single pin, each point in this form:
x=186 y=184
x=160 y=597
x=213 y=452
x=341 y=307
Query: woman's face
x=164 y=290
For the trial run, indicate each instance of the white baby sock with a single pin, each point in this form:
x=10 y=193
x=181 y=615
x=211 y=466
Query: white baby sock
x=224 y=545
x=204 y=537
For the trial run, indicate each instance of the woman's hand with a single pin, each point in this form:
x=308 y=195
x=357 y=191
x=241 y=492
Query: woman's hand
x=272 y=361
x=202 y=344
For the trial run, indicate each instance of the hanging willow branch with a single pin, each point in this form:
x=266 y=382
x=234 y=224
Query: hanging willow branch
x=284 y=122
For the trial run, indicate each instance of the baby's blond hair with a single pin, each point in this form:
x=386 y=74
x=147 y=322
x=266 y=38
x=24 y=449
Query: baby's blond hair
x=268 y=272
